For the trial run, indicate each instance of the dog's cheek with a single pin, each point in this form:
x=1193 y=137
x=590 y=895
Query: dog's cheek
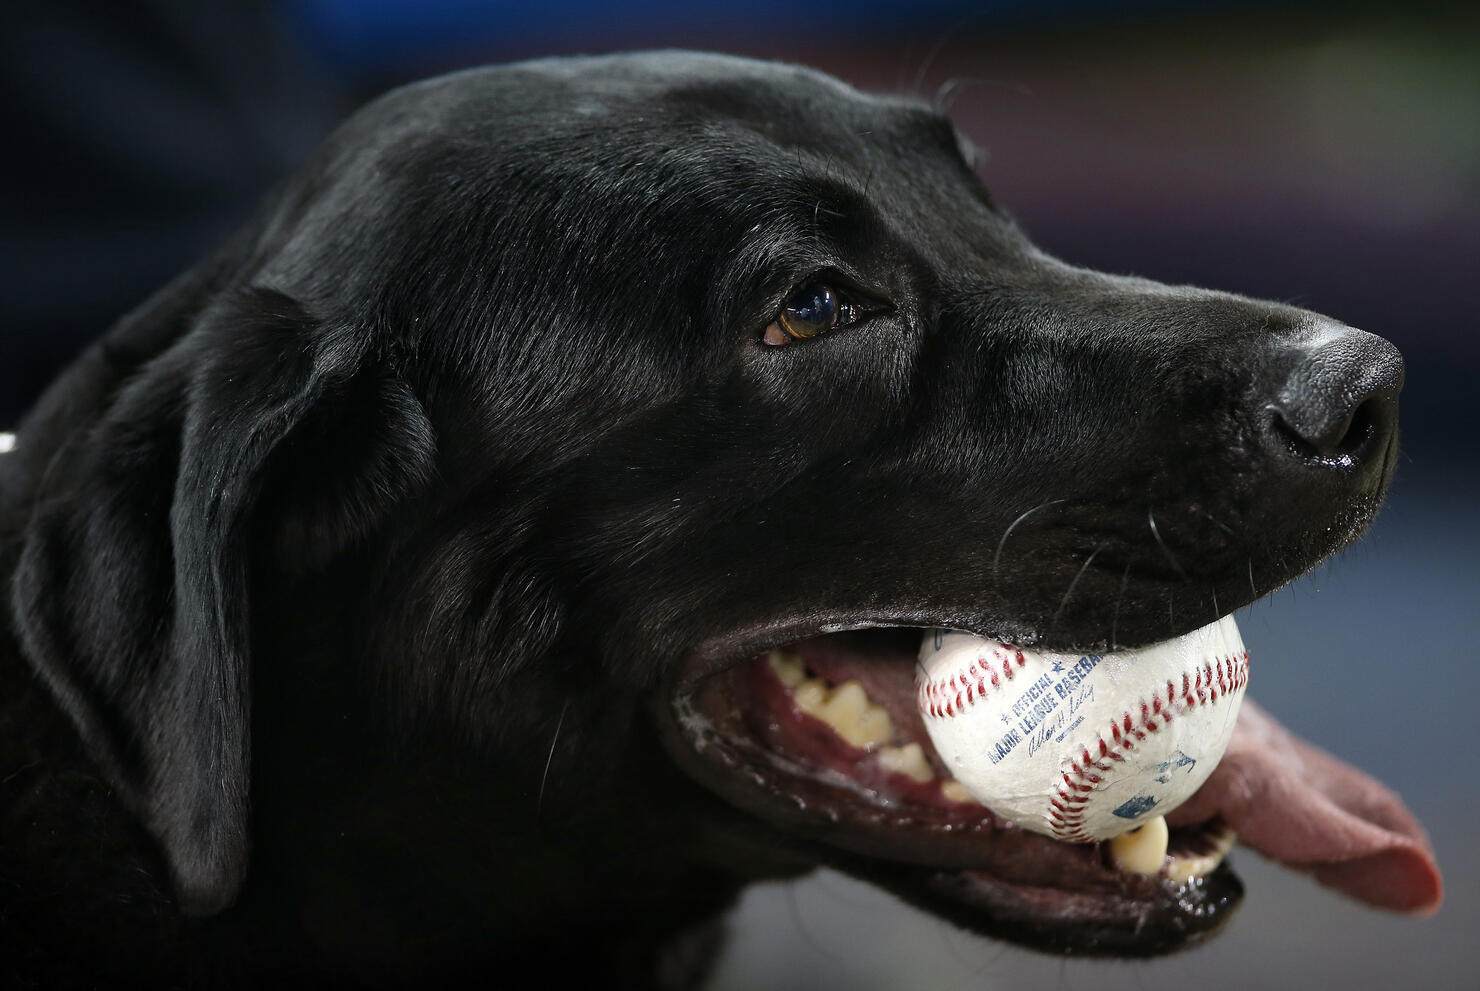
x=832 y=393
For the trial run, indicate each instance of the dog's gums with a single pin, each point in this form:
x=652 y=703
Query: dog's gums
x=822 y=737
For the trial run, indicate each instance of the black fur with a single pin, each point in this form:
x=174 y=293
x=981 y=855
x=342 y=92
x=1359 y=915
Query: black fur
x=351 y=572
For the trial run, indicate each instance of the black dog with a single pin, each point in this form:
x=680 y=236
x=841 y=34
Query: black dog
x=385 y=591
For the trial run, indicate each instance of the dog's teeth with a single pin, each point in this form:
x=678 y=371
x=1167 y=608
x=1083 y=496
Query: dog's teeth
x=851 y=715
x=848 y=703
x=954 y=791
x=847 y=710
x=1144 y=849
x=1185 y=867
x=908 y=760
x=788 y=667
x=810 y=696
x=873 y=727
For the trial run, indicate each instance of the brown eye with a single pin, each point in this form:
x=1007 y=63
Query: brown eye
x=812 y=309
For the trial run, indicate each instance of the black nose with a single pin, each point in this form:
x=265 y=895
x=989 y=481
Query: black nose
x=1334 y=398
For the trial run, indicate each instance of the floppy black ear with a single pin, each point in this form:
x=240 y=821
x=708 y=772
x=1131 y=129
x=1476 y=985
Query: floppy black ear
x=132 y=591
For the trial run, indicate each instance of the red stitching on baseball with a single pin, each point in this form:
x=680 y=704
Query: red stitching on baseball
x=963 y=689
x=1069 y=825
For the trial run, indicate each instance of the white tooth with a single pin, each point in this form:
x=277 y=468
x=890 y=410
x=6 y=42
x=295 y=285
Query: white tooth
x=848 y=702
x=810 y=695
x=908 y=760
x=955 y=791
x=1184 y=867
x=847 y=710
x=787 y=666
x=1144 y=849
x=872 y=728
x=856 y=719
x=851 y=715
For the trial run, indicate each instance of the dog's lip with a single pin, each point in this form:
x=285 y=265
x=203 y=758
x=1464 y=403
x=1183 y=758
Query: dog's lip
x=739 y=644
x=1010 y=882
x=1073 y=923
x=1285 y=798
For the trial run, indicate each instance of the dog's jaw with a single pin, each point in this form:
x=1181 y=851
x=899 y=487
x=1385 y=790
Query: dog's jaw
x=898 y=821
x=863 y=790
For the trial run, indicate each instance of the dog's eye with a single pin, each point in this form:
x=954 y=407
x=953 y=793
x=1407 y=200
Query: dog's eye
x=812 y=309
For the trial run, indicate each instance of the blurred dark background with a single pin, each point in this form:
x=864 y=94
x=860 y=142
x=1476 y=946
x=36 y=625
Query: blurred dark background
x=1323 y=154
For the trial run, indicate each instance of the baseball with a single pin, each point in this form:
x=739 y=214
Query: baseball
x=1082 y=747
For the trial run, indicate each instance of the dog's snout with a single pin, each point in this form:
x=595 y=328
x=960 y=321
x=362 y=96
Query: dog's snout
x=1333 y=400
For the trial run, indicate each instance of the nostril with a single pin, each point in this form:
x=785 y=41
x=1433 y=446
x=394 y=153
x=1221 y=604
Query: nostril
x=1361 y=427
x=1341 y=438
x=1337 y=402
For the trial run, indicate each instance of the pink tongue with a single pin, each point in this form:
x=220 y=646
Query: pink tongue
x=1301 y=806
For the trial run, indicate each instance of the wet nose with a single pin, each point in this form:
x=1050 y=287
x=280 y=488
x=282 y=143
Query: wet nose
x=1333 y=399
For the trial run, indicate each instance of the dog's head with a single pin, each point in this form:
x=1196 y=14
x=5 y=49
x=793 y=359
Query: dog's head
x=553 y=395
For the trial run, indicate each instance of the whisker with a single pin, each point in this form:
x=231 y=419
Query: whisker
x=947 y=90
x=929 y=61
x=1053 y=623
x=1212 y=519
x=1125 y=577
x=1253 y=589
x=549 y=759
x=1177 y=565
x=953 y=31
x=997 y=558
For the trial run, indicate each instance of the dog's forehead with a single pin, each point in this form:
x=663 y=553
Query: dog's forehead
x=724 y=84
x=710 y=102
x=790 y=170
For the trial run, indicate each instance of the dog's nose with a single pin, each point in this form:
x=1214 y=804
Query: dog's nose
x=1334 y=398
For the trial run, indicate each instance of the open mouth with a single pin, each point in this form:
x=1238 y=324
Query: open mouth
x=822 y=737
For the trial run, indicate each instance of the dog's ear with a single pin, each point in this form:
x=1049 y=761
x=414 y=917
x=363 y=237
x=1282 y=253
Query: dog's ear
x=131 y=595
